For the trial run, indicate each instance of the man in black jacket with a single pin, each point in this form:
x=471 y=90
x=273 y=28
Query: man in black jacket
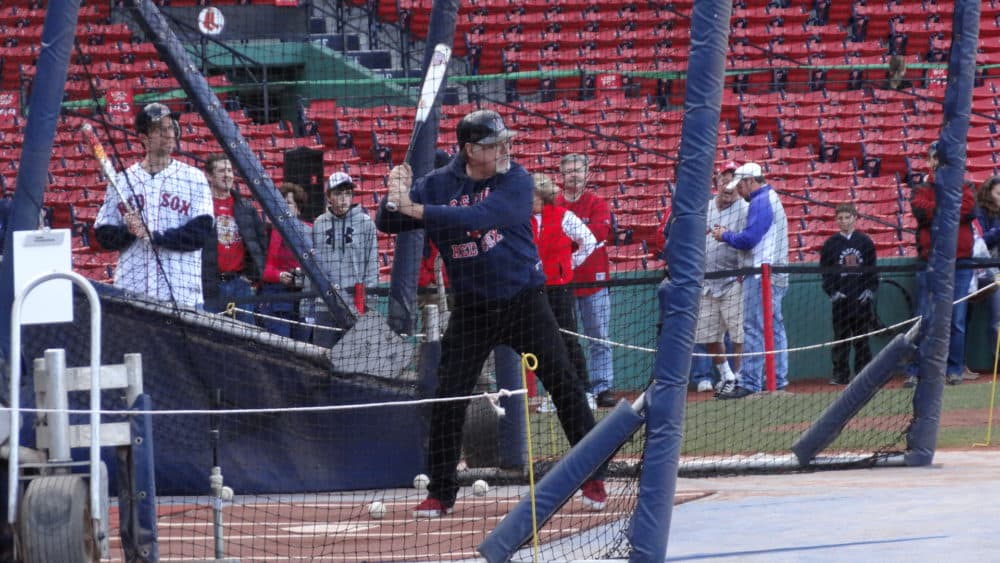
x=233 y=258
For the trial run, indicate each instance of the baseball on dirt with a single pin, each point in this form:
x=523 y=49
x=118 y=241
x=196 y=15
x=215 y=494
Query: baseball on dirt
x=420 y=482
x=376 y=510
x=480 y=488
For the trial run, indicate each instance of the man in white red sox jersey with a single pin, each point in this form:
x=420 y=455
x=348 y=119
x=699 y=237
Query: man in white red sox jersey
x=161 y=229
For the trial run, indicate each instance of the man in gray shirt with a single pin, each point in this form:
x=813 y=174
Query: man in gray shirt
x=722 y=297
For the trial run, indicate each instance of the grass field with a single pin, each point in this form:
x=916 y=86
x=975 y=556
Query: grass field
x=770 y=423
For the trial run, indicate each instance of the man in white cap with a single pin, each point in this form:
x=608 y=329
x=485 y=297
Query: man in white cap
x=346 y=251
x=766 y=236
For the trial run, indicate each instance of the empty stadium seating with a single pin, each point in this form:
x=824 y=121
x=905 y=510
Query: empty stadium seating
x=823 y=137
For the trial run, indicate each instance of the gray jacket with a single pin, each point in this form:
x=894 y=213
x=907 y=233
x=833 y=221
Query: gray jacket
x=347 y=251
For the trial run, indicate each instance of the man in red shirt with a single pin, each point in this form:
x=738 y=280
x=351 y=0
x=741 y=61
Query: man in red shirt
x=234 y=254
x=593 y=303
x=923 y=205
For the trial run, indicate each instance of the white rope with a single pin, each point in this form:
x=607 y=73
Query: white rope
x=491 y=397
x=229 y=312
x=829 y=344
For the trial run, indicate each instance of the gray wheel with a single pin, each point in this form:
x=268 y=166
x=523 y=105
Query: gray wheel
x=54 y=522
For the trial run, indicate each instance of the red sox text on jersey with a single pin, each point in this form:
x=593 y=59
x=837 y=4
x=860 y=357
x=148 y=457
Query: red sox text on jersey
x=173 y=202
x=482 y=242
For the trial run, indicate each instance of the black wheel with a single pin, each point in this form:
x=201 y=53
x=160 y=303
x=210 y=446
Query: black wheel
x=480 y=439
x=54 y=522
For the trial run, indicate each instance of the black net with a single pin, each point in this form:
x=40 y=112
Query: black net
x=318 y=408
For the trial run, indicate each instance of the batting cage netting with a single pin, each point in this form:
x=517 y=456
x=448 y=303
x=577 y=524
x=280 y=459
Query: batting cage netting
x=335 y=380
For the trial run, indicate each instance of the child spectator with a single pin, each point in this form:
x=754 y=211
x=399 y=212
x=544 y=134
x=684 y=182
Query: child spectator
x=847 y=257
x=346 y=251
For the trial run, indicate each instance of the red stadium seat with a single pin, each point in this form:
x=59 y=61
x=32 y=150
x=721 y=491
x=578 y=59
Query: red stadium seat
x=842 y=168
x=845 y=146
x=628 y=252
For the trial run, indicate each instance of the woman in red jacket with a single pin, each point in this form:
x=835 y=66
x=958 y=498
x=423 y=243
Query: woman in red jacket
x=563 y=242
x=283 y=276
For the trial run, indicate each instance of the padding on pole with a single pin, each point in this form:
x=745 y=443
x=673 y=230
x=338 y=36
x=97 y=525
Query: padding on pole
x=873 y=377
x=559 y=484
x=949 y=179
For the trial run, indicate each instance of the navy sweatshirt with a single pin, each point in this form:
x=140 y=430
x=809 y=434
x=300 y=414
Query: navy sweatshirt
x=482 y=228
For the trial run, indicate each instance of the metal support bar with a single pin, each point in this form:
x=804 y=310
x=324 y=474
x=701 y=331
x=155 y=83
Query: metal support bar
x=15 y=387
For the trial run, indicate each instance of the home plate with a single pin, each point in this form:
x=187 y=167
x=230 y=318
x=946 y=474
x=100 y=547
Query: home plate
x=327 y=528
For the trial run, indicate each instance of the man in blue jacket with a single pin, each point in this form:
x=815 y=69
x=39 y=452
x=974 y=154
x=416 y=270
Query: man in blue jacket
x=477 y=212
x=766 y=237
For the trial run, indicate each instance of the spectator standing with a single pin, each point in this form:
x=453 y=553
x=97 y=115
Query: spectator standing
x=563 y=242
x=477 y=211
x=232 y=260
x=721 y=309
x=161 y=229
x=701 y=362
x=346 y=251
x=923 y=205
x=593 y=303
x=283 y=277
x=988 y=213
x=766 y=237
x=847 y=258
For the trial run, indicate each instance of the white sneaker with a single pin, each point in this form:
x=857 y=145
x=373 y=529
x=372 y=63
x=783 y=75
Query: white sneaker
x=591 y=401
x=705 y=385
x=725 y=387
x=546 y=406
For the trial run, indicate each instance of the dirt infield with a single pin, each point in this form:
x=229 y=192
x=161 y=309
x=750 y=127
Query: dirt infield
x=336 y=528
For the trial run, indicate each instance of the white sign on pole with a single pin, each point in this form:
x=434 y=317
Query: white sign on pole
x=211 y=21
x=37 y=253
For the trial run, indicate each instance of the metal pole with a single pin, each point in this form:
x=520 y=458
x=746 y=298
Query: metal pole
x=56 y=399
x=95 y=389
x=216 y=481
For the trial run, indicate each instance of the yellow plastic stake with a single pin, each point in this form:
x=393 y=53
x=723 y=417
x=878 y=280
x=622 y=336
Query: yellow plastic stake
x=530 y=363
x=993 y=396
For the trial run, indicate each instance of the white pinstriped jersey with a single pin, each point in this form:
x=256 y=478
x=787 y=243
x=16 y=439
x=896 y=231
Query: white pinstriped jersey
x=167 y=200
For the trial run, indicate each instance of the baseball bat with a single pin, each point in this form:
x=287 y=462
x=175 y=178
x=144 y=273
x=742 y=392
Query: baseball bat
x=428 y=95
x=90 y=137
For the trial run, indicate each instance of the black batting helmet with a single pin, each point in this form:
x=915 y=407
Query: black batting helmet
x=153 y=113
x=482 y=127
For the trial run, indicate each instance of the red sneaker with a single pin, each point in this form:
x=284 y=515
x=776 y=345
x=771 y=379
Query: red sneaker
x=594 y=495
x=431 y=508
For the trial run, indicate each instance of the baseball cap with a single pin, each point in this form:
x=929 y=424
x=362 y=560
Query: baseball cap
x=339 y=181
x=727 y=166
x=748 y=170
x=153 y=113
x=482 y=127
